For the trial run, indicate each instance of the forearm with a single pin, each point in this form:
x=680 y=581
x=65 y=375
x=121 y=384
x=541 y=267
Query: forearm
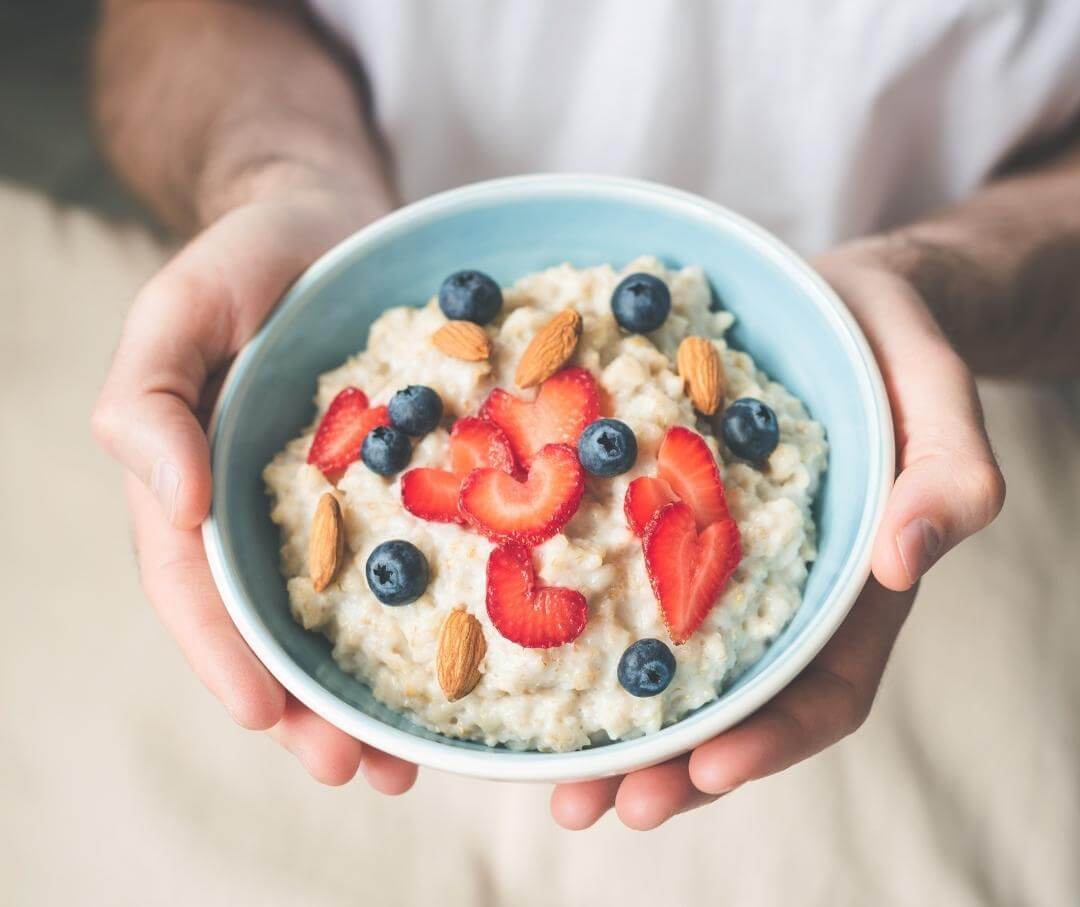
x=204 y=105
x=1001 y=271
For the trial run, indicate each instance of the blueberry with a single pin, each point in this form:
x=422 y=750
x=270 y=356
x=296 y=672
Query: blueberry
x=607 y=447
x=749 y=429
x=470 y=296
x=415 y=410
x=397 y=572
x=646 y=667
x=385 y=450
x=641 y=303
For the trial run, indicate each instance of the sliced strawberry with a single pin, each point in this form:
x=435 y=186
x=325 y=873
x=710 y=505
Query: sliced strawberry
x=644 y=497
x=689 y=467
x=688 y=570
x=432 y=494
x=476 y=444
x=537 y=617
x=529 y=511
x=342 y=430
x=567 y=402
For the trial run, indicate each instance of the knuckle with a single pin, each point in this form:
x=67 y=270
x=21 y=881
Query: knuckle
x=858 y=712
x=850 y=705
x=854 y=708
x=105 y=422
x=985 y=487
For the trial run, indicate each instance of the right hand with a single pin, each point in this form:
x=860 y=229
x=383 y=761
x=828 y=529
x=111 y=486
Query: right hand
x=183 y=329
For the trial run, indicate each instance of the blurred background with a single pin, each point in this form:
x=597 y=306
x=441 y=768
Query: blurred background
x=124 y=782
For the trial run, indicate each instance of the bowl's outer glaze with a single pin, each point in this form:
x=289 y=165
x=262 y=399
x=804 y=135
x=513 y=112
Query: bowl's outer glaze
x=794 y=326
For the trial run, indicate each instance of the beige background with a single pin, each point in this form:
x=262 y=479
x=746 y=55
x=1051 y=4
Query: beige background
x=123 y=782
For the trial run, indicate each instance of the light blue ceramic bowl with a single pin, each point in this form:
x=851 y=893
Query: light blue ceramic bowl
x=790 y=321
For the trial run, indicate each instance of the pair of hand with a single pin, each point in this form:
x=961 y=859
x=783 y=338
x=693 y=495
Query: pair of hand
x=194 y=315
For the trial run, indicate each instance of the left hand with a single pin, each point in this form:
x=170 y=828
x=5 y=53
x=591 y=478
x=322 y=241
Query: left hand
x=948 y=487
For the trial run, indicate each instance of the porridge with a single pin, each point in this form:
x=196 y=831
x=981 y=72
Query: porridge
x=551 y=515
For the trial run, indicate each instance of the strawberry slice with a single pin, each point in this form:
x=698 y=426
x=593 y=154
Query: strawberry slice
x=644 y=497
x=687 y=569
x=476 y=444
x=567 y=402
x=532 y=616
x=432 y=494
x=688 y=466
x=529 y=511
x=342 y=430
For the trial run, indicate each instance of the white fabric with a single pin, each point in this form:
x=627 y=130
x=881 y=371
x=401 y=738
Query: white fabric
x=821 y=119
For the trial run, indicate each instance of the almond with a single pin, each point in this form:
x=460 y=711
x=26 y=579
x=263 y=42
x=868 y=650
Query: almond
x=326 y=548
x=461 y=649
x=700 y=368
x=548 y=351
x=463 y=340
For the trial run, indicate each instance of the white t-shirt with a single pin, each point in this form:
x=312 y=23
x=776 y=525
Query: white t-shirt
x=821 y=119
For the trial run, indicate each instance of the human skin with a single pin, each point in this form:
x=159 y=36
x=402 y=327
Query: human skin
x=266 y=166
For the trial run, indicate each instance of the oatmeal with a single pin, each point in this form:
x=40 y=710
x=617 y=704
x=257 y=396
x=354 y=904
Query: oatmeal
x=591 y=581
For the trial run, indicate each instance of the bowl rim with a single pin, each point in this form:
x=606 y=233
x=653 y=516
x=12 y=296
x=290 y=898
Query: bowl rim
x=620 y=756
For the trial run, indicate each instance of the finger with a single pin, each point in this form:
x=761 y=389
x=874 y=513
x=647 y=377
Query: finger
x=328 y=754
x=178 y=583
x=177 y=333
x=387 y=774
x=949 y=485
x=184 y=325
x=936 y=503
x=648 y=798
x=582 y=804
x=829 y=700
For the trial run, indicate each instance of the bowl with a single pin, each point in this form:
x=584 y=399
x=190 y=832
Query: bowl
x=786 y=316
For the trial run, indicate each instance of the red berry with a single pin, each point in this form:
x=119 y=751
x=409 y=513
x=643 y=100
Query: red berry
x=532 y=616
x=688 y=570
x=342 y=430
x=432 y=494
x=689 y=467
x=476 y=443
x=566 y=402
x=531 y=510
x=644 y=497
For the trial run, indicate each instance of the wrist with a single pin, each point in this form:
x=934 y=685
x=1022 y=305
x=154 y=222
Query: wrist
x=349 y=192
x=929 y=262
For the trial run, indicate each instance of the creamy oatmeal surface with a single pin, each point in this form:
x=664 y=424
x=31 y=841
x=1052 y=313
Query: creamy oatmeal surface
x=566 y=697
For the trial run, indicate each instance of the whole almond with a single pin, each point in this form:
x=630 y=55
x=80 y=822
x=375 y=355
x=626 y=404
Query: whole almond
x=463 y=340
x=700 y=368
x=548 y=351
x=326 y=548
x=461 y=649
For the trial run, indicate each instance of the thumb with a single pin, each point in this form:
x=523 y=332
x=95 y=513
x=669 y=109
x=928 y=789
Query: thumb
x=176 y=334
x=185 y=325
x=936 y=503
x=949 y=485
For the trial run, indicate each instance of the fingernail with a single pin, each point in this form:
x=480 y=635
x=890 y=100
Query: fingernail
x=919 y=544
x=165 y=483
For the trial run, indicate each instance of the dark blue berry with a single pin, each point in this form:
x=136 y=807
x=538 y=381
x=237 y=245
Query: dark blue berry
x=607 y=447
x=470 y=296
x=385 y=450
x=749 y=429
x=415 y=410
x=641 y=303
x=397 y=572
x=646 y=667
